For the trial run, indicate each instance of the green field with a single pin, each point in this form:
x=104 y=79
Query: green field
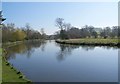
x=90 y=41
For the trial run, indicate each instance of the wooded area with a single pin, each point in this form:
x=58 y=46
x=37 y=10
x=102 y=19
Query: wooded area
x=10 y=33
x=67 y=31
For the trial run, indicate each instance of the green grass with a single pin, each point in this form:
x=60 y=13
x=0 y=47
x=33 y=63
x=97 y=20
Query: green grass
x=90 y=41
x=0 y=66
x=10 y=75
x=0 y=50
x=7 y=74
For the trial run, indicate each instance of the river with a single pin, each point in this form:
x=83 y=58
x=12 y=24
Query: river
x=52 y=62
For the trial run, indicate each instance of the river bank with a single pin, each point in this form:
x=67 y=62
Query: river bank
x=91 y=41
x=10 y=44
x=9 y=73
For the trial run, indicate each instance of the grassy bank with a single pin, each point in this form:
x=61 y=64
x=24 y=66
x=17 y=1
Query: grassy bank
x=9 y=73
x=0 y=66
x=10 y=44
x=90 y=41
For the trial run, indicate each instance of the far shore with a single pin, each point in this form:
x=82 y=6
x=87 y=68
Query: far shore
x=91 y=41
x=9 y=44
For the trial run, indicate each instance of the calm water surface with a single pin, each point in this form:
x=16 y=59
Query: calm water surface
x=51 y=62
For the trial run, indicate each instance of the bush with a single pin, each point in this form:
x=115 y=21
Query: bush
x=18 y=72
x=11 y=67
x=20 y=76
x=7 y=63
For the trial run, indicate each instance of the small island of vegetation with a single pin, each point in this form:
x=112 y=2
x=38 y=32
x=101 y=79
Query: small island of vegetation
x=87 y=35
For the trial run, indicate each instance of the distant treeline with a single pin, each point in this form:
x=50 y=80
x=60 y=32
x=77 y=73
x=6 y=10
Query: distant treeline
x=70 y=32
x=10 y=33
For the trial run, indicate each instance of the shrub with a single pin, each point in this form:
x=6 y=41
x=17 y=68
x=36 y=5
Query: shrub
x=20 y=76
x=7 y=63
x=18 y=72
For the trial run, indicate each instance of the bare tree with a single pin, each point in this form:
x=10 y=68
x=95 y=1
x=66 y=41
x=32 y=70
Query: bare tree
x=42 y=31
x=67 y=26
x=60 y=23
x=27 y=26
x=43 y=34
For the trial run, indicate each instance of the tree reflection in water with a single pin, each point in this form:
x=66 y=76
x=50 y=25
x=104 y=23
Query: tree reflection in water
x=27 y=48
x=65 y=50
x=24 y=48
x=87 y=48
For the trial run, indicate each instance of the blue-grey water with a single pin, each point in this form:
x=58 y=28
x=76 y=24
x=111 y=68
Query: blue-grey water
x=52 y=62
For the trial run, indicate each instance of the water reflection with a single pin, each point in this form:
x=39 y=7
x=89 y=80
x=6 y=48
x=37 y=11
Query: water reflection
x=65 y=50
x=24 y=48
x=43 y=47
x=53 y=62
x=87 y=48
x=109 y=47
